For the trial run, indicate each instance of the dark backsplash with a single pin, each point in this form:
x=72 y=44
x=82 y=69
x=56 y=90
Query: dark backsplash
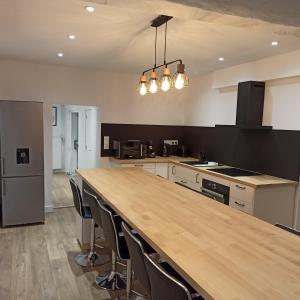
x=156 y=133
x=273 y=152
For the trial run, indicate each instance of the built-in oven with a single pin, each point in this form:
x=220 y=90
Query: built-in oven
x=211 y=189
x=216 y=191
x=128 y=149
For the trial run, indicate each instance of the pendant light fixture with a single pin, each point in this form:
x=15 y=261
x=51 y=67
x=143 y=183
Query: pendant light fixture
x=179 y=80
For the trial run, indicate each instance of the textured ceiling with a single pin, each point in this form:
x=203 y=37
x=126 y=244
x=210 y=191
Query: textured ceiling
x=274 y=11
x=117 y=36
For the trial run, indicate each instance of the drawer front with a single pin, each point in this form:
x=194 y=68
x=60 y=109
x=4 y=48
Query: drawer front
x=188 y=174
x=188 y=183
x=242 y=192
x=141 y=165
x=241 y=205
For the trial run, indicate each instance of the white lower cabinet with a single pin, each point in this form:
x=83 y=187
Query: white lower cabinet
x=162 y=170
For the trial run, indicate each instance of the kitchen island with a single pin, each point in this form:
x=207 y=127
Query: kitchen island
x=222 y=252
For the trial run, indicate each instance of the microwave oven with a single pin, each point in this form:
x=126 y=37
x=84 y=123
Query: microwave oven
x=128 y=149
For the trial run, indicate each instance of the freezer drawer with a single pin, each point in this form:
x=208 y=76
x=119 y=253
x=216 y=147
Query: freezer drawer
x=22 y=200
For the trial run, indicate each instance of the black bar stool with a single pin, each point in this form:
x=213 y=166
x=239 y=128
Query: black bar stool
x=166 y=283
x=289 y=229
x=91 y=259
x=111 y=224
x=137 y=247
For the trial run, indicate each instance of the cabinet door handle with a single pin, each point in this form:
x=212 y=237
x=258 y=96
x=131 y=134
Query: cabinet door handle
x=173 y=173
x=197 y=175
x=239 y=204
x=240 y=187
x=139 y=165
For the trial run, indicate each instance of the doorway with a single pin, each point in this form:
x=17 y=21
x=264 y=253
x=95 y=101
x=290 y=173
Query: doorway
x=75 y=144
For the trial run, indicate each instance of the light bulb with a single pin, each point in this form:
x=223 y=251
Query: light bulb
x=165 y=83
x=153 y=86
x=142 y=88
x=179 y=81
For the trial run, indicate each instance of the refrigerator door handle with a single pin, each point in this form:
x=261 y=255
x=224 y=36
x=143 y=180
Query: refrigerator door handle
x=3 y=188
x=2 y=166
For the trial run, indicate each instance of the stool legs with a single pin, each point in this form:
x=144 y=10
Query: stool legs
x=92 y=259
x=114 y=281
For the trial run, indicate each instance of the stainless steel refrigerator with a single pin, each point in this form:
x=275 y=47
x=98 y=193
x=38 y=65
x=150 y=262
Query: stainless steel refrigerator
x=22 y=162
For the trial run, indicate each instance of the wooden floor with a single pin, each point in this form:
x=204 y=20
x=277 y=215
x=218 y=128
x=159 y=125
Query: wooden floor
x=37 y=262
x=61 y=190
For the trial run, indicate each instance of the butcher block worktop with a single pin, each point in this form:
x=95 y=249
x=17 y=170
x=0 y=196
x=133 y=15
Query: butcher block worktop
x=222 y=252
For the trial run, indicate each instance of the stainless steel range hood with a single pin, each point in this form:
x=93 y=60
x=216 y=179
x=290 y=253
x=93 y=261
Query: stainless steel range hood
x=250 y=106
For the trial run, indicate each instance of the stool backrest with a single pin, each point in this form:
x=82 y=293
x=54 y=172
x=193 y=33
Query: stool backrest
x=77 y=199
x=109 y=227
x=163 y=285
x=136 y=253
x=93 y=204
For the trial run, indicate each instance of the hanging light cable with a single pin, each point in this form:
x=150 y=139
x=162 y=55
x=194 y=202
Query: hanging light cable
x=153 y=86
x=165 y=81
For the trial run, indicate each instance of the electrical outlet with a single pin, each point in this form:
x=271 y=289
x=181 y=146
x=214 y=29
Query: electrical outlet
x=171 y=142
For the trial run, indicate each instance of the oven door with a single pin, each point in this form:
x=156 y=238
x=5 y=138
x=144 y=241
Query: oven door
x=214 y=195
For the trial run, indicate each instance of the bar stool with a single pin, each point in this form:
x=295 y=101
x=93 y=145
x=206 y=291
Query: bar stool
x=91 y=259
x=111 y=224
x=289 y=229
x=137 y=247
x=166 y=283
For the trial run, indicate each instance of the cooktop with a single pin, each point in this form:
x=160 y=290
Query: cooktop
x=234 y=172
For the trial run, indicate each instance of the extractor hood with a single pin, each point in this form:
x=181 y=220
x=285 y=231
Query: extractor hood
x=250 y=106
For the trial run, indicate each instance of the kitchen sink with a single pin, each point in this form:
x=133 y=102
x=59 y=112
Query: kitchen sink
x=197 y=163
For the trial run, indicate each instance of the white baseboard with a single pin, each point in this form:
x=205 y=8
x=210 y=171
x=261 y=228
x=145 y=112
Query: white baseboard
x=48 y=208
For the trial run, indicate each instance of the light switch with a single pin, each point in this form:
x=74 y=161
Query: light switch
x=106 y=143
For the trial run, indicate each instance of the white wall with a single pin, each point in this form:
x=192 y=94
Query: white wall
x=207 y=106
x=113 y=94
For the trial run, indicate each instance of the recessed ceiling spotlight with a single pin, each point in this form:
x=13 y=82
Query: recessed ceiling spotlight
x=274 y=44
x=71 y=36
x=89 y=9
x=60 y=54
x=221 y=59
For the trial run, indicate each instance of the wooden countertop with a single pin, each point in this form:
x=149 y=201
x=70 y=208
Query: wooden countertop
x=157 y=159
x=252 y=181
x=222 y=252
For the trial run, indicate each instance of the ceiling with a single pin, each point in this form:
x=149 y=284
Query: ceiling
x=117 y=36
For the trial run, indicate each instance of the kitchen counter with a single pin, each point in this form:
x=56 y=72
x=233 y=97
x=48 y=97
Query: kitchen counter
x=223 y=253
x=252 y=181
x=157 y=159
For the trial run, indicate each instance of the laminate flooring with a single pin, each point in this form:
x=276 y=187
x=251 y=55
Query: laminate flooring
x=37 y=262
x=61 y=191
